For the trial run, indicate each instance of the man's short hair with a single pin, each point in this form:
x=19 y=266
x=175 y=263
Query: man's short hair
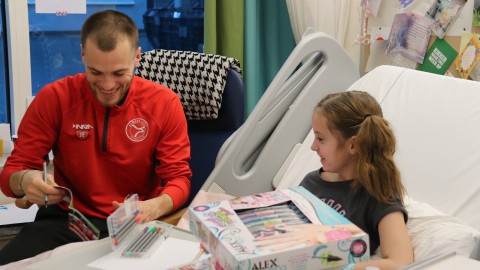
x=107 y=27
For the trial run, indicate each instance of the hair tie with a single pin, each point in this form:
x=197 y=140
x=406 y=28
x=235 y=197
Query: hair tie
x=365 y=116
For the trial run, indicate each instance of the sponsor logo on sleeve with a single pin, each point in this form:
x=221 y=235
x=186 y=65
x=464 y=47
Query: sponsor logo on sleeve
x=82 y=131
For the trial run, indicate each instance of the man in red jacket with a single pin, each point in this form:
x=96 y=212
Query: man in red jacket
x=112 y=134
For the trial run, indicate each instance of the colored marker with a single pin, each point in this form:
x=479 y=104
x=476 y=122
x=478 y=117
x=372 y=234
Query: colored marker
x=125 y=228
x=329 y=258
x=265 y=218
x=136 y=242
x=127 y=223
x=273 y=207
x=291 y=221
x=264 y=213
x=274 y=228
x=200 y=252
x=147 y=242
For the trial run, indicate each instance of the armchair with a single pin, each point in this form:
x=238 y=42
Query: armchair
x=211 y=90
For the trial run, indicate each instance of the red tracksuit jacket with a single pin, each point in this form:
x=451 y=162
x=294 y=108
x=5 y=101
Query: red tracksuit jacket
x=103 y=154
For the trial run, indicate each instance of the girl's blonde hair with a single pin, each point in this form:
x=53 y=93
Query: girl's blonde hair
x=357 y=113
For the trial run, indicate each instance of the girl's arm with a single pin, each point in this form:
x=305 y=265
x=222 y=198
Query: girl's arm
x=395 y=244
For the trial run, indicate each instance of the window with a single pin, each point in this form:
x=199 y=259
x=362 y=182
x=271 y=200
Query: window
x=55 y=40
x=4 y=109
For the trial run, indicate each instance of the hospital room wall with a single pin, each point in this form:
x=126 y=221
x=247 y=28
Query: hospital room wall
x=453 y=36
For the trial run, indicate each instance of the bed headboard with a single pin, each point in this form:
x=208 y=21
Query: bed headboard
x=249 y=160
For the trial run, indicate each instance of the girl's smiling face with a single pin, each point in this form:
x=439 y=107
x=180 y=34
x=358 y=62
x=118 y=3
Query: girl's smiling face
x=336 y=153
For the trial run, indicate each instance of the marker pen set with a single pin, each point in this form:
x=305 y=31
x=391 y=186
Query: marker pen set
x=129 y=237
x=119 y=234
x=143 y=241
x=270 y=220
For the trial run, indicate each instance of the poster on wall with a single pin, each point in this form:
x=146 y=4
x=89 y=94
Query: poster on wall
x=468 y=58
x=444 y=13
x=475 y=73
x=439 y=57
x=409 y=36
x=61 y=7
x=476 y=13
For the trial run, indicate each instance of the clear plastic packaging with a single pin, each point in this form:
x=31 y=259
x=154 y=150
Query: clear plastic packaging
x=129 y=237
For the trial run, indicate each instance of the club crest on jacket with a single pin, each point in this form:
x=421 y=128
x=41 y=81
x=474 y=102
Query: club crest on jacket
x=137 y=129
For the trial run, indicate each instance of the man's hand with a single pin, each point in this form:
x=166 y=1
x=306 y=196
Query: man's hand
x=153 y=208
x=31 y=184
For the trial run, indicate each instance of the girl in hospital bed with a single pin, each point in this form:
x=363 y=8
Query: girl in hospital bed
x=358 y=178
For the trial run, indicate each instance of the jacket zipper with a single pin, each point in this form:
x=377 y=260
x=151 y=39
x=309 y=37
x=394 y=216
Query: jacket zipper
x=105 y=130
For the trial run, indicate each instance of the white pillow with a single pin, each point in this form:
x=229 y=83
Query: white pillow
x=433 y=232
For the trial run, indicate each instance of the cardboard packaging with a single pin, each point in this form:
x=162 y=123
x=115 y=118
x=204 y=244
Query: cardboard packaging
x=283 y=229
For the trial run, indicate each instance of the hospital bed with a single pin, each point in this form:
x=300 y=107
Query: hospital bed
x=436 y=120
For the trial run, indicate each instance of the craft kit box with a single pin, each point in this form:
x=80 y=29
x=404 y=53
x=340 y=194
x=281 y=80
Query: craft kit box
x=283 y=229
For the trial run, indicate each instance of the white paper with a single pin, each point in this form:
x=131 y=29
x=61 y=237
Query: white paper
x=379 y=33
x=171 y=252
x=61 y=7
x=11 y=214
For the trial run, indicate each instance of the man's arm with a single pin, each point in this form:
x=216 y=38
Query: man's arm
x=173 y=155
x=32 y=184
x=36 y=135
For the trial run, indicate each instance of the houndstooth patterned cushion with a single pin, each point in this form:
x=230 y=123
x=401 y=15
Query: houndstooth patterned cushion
x=197 y=78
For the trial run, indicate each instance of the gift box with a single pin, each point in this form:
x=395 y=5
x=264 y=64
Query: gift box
x=282 y=229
